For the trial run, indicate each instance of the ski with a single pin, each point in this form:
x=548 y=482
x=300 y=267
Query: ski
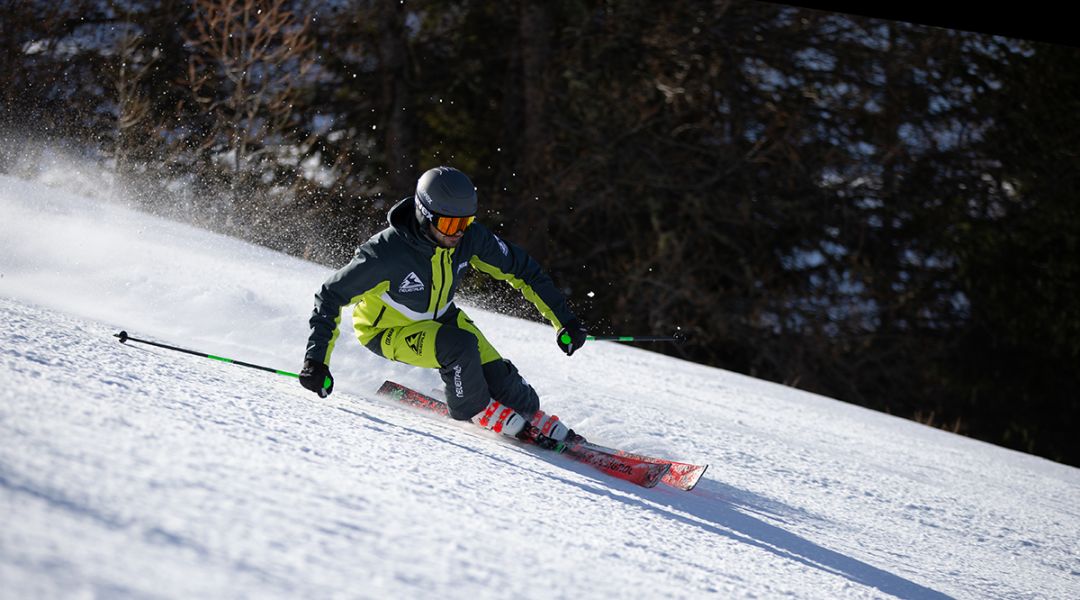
x=683 y=476
x=637 y=468
x=634 y=470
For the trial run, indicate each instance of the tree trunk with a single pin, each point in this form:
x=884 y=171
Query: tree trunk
x=398 y=116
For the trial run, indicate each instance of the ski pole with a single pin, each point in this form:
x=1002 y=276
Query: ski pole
x=625 y=338
x=124 y=337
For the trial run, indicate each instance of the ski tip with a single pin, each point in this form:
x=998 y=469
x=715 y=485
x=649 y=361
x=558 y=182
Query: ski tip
x=693 y=481
x=685 y=479
x=387 y=387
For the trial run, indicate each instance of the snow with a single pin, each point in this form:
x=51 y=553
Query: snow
x=130 y=471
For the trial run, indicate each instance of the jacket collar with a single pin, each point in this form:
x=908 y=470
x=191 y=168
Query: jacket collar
x=402 y=218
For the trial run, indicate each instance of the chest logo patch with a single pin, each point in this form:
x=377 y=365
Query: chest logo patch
x=411 y=283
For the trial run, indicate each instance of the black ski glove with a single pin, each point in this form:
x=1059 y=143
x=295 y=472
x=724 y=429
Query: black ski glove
x=571 y=336
x=316 y=377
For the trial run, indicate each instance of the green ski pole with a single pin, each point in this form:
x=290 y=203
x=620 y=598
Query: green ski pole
x=625 y=338
x=124 y=338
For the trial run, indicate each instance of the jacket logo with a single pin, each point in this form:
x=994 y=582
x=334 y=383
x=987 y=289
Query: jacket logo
x=411 y=283
x=461 y=266
x=502 y=246
x=415 y=342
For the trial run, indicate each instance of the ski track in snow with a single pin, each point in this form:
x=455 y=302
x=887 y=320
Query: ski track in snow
x=129 y=471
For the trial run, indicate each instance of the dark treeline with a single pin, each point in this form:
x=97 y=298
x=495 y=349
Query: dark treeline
x=876 y=211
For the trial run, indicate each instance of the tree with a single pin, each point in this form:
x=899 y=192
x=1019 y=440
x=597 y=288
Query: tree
x=37 y=73
x=247 y=64
x=1017 y=261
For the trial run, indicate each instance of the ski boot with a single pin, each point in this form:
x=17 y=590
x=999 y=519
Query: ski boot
x=550 y=426
x=500 y=419
x=548 y=432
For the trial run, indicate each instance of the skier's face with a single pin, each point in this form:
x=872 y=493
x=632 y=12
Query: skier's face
x=446 y=241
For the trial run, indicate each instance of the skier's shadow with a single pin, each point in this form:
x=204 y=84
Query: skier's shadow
x=717 y=509
x=722 y=510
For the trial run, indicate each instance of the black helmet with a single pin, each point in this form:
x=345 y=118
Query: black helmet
x=444 y=191
x=445 y=199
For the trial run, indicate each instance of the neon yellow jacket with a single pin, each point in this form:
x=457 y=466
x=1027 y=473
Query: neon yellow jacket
x=399 y=277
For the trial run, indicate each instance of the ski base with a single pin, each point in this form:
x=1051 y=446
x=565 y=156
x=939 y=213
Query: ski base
x=642 y=470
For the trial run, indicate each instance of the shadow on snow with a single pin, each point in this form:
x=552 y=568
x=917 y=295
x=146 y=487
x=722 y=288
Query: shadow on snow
x=716 y=509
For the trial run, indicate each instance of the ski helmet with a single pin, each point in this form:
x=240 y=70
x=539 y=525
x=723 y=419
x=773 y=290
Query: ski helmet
x=444 y=192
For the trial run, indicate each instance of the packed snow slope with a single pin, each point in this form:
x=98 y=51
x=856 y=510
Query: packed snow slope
x=130 y=471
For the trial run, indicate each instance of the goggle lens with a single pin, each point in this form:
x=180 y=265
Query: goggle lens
x=452 y=225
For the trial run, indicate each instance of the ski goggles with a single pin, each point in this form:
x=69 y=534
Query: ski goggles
x=451 y=225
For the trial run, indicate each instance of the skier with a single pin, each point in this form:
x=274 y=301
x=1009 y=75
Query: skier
x=402 y=283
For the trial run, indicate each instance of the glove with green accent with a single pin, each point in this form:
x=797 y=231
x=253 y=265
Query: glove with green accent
x=571 y=336
x=316 y=377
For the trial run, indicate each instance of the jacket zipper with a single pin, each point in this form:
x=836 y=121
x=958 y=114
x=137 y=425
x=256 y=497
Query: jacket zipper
x=438 y=294
x=436 y=291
